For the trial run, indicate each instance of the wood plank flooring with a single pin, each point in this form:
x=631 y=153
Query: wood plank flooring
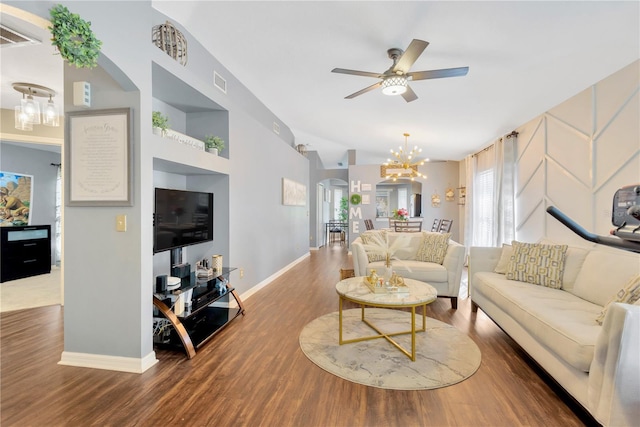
x=254 y=373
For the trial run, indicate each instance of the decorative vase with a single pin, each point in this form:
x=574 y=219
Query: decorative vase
x=213 y=151
x=387 y=271
x=158 y=131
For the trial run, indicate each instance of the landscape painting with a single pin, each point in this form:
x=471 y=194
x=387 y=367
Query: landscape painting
x=16 y=192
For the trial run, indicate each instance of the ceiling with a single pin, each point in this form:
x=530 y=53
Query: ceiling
x=523 y=58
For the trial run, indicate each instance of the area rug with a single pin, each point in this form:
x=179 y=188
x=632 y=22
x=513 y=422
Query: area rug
x=444 y=355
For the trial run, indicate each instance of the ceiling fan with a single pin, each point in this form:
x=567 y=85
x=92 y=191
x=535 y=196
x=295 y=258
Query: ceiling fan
x=394 y=80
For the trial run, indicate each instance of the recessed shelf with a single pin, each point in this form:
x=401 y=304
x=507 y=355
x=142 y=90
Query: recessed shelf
x=172 y=157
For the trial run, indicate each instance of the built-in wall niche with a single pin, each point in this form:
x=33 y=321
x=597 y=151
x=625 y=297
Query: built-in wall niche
x=189 y=111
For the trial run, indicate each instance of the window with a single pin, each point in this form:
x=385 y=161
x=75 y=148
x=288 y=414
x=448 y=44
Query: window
x=483 y=208
x=402 y=198
x=337 y=196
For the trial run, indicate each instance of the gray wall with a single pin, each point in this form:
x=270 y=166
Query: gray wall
x=109 y=275
x=440 y=176
x=31 y=161
x=318 y=174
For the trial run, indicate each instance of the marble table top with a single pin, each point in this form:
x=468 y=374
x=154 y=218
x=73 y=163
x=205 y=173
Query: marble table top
x=354 y=289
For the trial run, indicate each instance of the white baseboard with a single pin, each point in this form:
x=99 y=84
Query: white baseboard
x=246 y=295
x=111 y=363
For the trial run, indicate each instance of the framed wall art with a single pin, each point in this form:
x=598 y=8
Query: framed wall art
x=16 y=195
x=99 y=154
x=293 y=193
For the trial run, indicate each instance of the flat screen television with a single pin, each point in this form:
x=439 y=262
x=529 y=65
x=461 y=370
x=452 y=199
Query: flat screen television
x=181 y=218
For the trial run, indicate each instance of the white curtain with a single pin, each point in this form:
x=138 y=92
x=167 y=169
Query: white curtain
x=491 y=194
x=58 y=225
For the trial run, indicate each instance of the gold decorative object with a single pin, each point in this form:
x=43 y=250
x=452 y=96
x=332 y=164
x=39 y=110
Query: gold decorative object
x=462 y=195
x=435 y=200
x=373 y=277
x=404 y=164
x=216 y=263
x=170 y=40
x=396 y=280
x=449 y=194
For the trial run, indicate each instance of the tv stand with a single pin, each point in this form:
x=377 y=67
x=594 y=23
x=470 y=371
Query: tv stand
x=209 y=310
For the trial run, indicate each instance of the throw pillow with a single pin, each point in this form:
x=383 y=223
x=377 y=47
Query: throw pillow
x=537 y=264
x=433 y=247
x=373 y=239
x=505 y=256
x=630 y=294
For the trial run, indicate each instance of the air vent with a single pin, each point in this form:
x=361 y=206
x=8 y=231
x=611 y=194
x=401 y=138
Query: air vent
x=10 y=37
x=276 y=128
x=219 y=82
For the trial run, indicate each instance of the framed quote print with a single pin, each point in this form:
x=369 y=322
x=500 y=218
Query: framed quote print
x=99 y=158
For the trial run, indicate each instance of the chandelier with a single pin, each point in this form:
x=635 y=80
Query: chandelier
x=404 y=164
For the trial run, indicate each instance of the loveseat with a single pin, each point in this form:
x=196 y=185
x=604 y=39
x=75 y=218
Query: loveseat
x=597 y=364
x=443 y=274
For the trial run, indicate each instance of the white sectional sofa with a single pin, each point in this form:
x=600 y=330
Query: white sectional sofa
x=444 y=277
x=599 y=365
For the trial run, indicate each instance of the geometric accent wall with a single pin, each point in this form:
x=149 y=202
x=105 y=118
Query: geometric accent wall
x=576 y=155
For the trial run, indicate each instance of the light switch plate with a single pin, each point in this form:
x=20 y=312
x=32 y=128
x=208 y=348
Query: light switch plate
x=121 y=223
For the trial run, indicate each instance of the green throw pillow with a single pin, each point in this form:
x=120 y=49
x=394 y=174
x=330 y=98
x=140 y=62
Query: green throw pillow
x=433 y=247
x=630 y=294
x=537 y=264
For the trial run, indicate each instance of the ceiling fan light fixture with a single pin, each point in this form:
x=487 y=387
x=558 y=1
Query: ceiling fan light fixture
x=394 y=85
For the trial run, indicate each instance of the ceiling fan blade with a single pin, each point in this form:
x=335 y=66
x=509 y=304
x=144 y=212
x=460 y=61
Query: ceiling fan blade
x=406 y=60
x=356 y=72
x=409 y=95
x=365 y=90
x=437 y=74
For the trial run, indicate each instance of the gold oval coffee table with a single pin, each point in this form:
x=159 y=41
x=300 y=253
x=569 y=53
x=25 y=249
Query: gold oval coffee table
x=419 y=294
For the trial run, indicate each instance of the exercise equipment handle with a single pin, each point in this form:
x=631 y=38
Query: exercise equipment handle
x=615 y=242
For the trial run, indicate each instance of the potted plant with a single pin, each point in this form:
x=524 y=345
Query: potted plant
x=160 y=123
x=213 y=144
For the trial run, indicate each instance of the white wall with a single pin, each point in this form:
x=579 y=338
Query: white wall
x=576 y=155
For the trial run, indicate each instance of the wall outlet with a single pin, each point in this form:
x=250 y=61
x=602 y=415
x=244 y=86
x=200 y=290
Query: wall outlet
x=241 y=273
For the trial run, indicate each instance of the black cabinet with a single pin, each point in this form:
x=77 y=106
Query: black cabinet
x=26 y=251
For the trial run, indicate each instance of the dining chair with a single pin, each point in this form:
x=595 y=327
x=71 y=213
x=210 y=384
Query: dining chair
x=368 y=224
x=436 y=225
x=445 y=226
x=408 y=226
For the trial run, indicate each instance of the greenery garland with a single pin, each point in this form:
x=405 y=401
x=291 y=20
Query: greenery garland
x=73 y=37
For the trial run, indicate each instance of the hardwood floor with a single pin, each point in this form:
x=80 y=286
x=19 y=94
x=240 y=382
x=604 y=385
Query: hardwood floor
x=254 y=373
